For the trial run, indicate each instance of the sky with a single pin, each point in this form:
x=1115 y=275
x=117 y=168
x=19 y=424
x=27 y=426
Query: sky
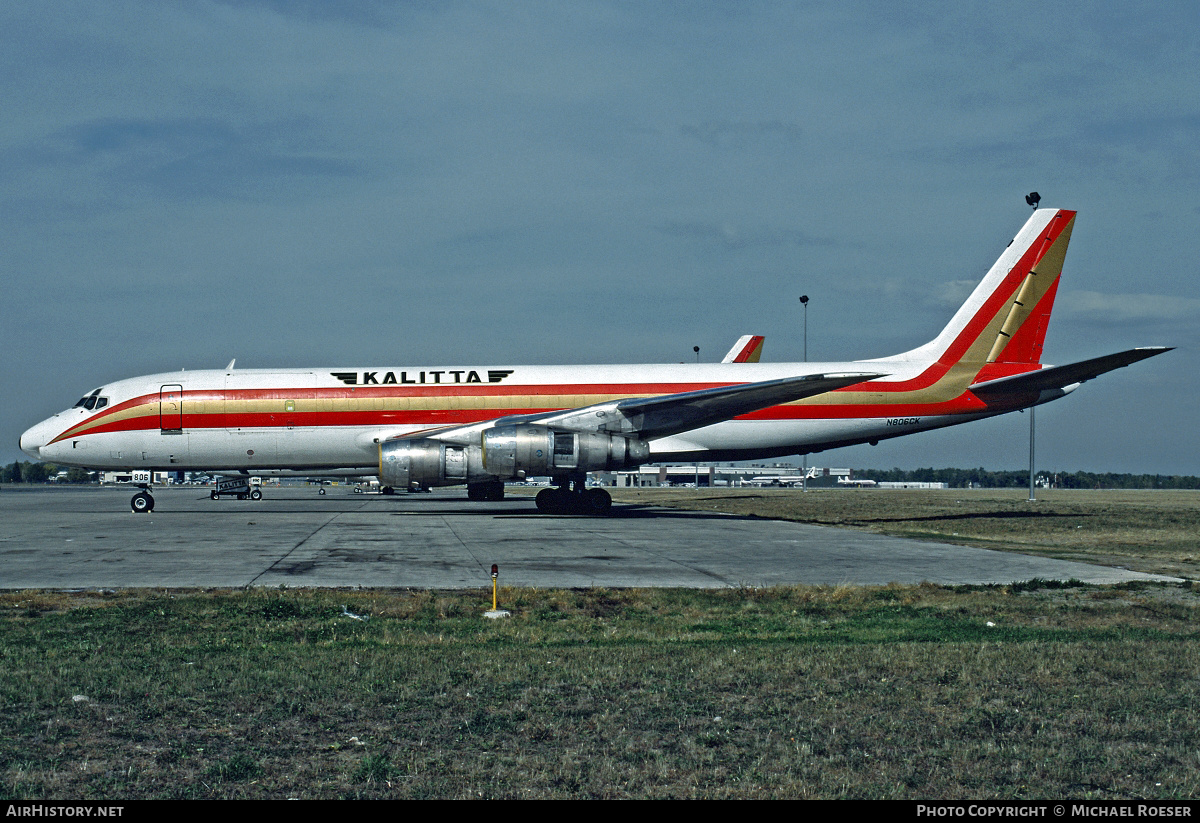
x=300 y=184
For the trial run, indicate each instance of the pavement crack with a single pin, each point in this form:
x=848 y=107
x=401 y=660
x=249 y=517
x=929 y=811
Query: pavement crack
x=463 y=543
x=293 y=549
x=661 y=556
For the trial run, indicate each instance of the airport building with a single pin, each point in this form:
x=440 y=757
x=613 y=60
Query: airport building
x=780 y=475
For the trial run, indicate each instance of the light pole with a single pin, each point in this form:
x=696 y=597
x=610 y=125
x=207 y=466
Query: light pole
x=804 y=460
x=804 y=303
x=1032 y=497
x=1032 y=199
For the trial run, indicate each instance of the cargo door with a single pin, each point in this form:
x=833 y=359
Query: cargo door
x=170 y=409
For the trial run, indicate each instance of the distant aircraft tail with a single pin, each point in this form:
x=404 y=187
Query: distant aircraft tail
x=748 y=349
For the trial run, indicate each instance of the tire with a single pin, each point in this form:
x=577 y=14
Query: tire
x=597 y=501
x=142 y=503
x=256 y=495
x=320 y=491
x=212 y=495
x=547 y=501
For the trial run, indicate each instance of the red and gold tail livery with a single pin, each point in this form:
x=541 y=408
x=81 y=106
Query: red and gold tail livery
x=479 y=425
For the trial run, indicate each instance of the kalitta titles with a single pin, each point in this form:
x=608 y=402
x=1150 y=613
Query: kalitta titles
x=374 y=378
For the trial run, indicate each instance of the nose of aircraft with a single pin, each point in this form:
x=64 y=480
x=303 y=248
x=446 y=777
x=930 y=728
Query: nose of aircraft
x=33 y=440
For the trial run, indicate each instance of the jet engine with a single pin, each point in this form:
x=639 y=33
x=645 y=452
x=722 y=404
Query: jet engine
x=509 y=451
x=506 y=452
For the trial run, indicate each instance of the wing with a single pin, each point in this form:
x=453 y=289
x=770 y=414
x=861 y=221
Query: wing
x=655 y=417
x=1019 y=387
x=649 y=418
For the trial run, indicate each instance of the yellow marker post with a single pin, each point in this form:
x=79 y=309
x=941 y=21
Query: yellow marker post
x=495 y=612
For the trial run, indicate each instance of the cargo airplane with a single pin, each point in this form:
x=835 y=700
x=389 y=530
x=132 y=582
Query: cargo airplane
x=479 y=425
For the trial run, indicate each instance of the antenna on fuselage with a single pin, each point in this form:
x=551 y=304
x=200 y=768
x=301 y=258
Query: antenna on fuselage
x=230 y=366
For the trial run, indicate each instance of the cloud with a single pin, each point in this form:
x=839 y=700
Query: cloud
x=951 y=294
x=189 y=157
x=1128 y=308
x=735 y=236
x=723 y=134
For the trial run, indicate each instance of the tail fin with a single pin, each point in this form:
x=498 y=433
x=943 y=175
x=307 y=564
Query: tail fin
x=1000 y=329
x=748 y=349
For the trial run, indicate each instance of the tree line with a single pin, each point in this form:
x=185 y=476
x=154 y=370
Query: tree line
x=982 y=478
x=41 y=473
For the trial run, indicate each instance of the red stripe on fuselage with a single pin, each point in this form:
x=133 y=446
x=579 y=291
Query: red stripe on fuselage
x=964 y=404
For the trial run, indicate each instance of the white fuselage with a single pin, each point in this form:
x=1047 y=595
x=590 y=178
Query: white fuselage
x=336 y=418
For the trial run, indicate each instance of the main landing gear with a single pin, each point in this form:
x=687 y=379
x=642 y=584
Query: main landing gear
x=143 y=501
x=570 y=496
x=490 y=490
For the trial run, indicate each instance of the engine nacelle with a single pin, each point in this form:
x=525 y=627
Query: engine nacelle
x=506 y=452
x=424 y=462
x=513 y=451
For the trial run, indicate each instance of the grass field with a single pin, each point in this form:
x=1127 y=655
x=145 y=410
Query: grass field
x=1148 y=531
x=1036 y=690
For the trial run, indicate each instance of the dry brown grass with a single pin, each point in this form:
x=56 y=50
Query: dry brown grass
x=1147 y=531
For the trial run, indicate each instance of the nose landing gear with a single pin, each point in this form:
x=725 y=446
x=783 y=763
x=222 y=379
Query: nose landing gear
x=143 y=501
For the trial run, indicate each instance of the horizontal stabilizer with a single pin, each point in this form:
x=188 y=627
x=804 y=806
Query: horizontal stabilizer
x=1058 y=377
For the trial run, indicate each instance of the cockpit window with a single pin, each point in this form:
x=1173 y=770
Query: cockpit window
x=92 y=401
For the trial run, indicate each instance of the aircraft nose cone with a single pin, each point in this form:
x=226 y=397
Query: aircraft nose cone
x=33 y=440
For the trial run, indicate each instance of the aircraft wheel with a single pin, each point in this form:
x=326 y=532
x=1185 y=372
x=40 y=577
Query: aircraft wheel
x=597 y=501
x=494 y=490
x=475 y=491
x=256 y=495
x=387 y=490
x=548 y=501
x=212 y=495
x=142 y=503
